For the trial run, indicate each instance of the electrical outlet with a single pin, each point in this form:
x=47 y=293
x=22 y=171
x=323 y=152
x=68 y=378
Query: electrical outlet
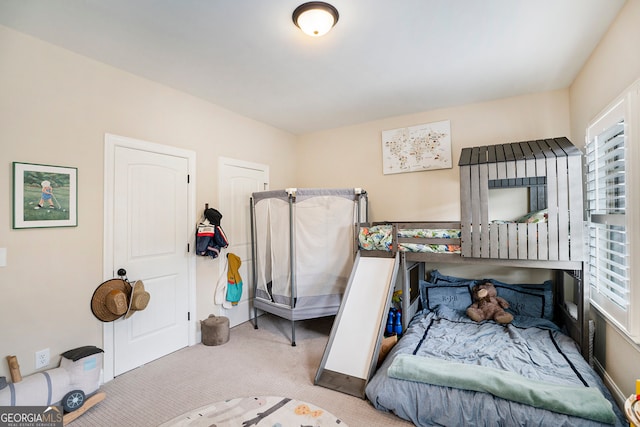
x=42 y=358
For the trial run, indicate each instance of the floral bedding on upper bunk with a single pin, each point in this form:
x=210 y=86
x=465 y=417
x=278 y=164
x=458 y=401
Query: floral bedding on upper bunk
x=380 y=238
x=376 y=238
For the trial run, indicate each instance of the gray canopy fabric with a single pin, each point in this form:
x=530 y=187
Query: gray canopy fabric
x=304 y=247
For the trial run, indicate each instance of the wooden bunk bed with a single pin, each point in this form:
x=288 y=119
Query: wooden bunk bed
x=549 y=237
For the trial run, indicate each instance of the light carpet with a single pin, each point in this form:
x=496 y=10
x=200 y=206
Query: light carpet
x=254 y=362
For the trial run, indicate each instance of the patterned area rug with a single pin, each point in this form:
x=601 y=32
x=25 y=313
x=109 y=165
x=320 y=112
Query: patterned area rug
x=271 y=411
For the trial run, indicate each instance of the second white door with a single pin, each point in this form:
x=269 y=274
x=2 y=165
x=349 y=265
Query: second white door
x=238 y=180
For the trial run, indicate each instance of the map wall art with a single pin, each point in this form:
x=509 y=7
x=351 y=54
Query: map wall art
x=417 y=148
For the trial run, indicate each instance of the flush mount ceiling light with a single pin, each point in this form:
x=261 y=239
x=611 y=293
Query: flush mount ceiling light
x=315 y=18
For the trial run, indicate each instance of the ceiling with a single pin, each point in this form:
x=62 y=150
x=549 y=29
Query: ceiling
x=384 y=58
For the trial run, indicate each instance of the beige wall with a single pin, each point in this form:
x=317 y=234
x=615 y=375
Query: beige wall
x=612 y=67
x=55 y=108
x=352 y=156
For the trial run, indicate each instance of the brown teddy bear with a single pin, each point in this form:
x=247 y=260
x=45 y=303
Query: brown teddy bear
x=487 y=305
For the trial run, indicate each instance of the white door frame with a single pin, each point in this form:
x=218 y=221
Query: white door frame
x=108 y=270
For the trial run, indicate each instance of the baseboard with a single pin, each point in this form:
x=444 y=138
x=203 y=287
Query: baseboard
x=238 y=314
x=611 y=385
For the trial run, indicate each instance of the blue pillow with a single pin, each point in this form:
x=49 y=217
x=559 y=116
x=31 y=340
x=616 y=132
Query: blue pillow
x=436 y=277
x=527 y=300
x=456 y=296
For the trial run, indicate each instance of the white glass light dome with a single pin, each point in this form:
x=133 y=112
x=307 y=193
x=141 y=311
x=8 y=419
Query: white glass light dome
x=315 y=18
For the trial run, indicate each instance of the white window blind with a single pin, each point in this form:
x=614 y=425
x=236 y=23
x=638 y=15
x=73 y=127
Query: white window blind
x=610 y=205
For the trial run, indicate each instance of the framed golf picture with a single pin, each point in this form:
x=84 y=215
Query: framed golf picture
x=44 y=196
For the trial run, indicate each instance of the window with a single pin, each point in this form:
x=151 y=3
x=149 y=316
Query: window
x=611 y=203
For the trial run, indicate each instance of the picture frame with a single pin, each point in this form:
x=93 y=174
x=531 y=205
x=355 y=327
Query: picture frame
x=417 y=148
x=44 y=196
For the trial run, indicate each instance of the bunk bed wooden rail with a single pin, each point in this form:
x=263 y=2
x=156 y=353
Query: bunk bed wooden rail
x=550 y=236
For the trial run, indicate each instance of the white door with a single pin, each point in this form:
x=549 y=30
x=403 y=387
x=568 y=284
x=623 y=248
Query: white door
x=150 y=237
x=238 y=180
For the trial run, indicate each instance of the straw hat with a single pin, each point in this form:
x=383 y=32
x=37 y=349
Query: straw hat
x=139 y=299
x=110 y=300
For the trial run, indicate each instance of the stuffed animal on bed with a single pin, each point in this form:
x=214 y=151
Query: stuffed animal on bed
x=487 y=305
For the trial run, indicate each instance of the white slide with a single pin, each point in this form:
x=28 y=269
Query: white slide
x=352 y=350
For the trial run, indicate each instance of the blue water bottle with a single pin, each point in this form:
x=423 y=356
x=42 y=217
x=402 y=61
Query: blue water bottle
x=390 y=322
x=397 y=326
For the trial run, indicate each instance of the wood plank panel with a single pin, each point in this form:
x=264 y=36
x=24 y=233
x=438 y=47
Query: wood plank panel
x=576 y=217
x=504 y=241
x=502 y=169
x=563 y=203
x=532 y=240
x=510 y=164
x=465 y=210
x=493 y=166
x=494 y=242
x=520 y=160
x=530 y=160
x=523 y=245
x=512 y=240
x=491 y=153
x=543 y=241
x=483 y=184
x=465 y=157
x=552 y=206
x=475 y=152
x=541 y=168
x=475 y=211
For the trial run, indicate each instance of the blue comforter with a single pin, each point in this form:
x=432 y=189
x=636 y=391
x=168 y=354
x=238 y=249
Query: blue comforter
x=533 y=348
